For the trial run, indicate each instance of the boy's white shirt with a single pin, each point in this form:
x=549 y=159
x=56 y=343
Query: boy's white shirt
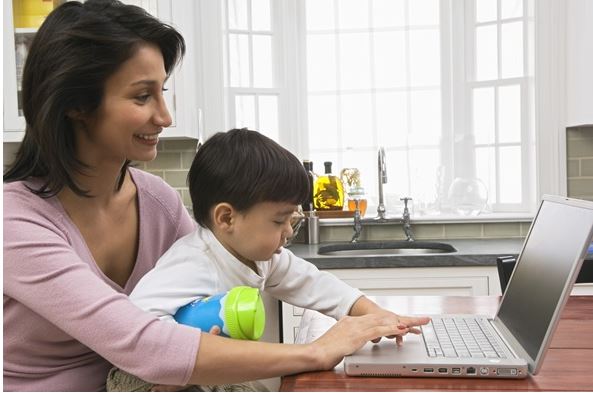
x=198 y=265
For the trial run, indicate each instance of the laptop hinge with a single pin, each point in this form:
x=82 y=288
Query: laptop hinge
x=511 y=342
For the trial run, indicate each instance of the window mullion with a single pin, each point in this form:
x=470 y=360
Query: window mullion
x=408 y=94
x=338 y=85
x=251 y=60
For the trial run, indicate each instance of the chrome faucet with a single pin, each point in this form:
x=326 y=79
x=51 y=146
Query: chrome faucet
x=382 y=179
x=406 y=221
x=357 y=222
x=381 y=211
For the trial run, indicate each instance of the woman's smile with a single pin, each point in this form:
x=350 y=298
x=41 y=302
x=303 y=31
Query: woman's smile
x=147 y=139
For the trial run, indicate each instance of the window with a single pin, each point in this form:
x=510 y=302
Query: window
x=251 y=80
x=445 y=86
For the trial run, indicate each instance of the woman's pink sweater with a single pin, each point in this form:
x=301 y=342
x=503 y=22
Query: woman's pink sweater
x=65 y=322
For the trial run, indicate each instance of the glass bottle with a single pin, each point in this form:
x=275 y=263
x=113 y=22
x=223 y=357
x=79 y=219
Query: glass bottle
x=328 y=192
x=357 y=194
x=308 y=205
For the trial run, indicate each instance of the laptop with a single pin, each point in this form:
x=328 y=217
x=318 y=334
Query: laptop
x=514 y=342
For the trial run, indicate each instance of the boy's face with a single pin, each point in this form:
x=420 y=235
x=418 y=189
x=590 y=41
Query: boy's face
x=260 y=232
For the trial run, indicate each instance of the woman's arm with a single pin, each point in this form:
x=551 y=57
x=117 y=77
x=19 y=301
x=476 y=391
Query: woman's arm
x=222 y=360
x=44 y=273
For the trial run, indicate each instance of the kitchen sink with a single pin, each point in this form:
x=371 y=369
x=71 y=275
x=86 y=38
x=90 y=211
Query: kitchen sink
x=375 y=248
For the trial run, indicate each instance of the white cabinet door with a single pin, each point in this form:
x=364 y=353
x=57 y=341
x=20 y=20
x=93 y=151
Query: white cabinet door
x=182 y=94
x=579 y=62
x=452 y=281
x=14 y=122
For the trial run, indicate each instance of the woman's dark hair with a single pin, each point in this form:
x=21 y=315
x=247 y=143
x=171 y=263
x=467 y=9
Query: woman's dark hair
x=244 y=167
x=77 y=48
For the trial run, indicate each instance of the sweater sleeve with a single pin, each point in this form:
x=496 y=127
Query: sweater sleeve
x=298 y=282
x=43 y=272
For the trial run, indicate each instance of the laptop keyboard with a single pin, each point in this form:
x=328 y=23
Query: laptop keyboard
x=461 y=337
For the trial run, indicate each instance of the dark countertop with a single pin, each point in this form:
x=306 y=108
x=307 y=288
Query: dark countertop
x=470 y=252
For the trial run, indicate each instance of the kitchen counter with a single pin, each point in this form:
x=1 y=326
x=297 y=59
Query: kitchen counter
x=470 y=252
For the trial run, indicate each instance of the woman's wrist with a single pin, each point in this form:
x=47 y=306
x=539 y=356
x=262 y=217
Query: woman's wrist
x=363 y=305
x=314 y=356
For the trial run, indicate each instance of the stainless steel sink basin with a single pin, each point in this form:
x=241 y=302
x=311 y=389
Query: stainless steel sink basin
x=385 y=248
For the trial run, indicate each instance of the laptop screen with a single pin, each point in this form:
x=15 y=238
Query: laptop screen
x=559 y=236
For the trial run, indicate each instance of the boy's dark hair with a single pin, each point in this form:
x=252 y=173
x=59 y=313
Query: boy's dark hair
x=243 y=168
x=78 y=46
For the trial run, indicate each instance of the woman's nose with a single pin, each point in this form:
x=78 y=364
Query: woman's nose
x=162 y=117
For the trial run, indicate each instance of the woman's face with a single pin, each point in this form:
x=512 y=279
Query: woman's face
x=131 y=115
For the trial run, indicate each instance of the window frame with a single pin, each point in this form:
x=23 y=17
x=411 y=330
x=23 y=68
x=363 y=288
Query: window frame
x=547 y=117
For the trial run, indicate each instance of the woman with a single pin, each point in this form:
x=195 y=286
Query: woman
x=81 y=227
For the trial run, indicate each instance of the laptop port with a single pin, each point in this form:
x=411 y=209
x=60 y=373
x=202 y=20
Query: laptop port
x=456 y=370
x=415 y=370
x=429 y=370
x=443 y=370
x=471 y=371
x=484 y=370
x=506 y=372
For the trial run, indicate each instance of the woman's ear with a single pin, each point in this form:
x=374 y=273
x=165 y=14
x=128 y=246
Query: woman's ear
x=223 y=216
x=79 y=118
x=75 y=114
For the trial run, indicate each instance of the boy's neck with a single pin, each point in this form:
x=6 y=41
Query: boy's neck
x=222 y=239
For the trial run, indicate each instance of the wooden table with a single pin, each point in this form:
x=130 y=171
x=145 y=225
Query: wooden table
x=568 y=364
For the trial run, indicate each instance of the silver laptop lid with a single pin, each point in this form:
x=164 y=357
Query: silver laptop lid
x=546 y=270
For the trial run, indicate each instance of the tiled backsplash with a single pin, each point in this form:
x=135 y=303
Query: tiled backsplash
x=427 y=231
x=579 y=150
x=172 y=163
x=175 y=157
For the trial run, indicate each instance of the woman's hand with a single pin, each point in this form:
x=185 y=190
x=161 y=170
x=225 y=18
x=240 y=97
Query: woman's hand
x=364 y=306
x=405 y=322
x=351 y=333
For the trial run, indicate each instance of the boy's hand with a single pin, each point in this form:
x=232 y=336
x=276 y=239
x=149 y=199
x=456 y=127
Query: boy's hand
x=215 y=330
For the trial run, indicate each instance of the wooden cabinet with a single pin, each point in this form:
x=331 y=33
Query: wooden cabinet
x=579 y=62
x=182 y=96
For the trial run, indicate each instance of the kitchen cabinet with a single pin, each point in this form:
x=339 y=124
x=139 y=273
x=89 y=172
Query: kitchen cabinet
x=439 y=281
x=442 y=281
x=579 y=62
x=182 y=97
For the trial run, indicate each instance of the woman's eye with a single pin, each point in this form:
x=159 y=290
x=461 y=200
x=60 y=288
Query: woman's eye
x=143 y=98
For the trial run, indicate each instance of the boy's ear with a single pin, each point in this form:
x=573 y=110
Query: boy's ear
x=223 y=216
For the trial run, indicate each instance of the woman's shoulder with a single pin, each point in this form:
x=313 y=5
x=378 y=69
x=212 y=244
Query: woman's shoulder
x=20 y=193
x=21 y=204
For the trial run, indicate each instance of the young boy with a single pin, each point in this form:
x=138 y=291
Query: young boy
x=244 y=189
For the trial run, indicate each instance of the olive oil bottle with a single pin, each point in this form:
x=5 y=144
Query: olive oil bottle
x=328 y=192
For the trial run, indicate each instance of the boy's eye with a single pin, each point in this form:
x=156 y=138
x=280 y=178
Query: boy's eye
x=279 y=222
